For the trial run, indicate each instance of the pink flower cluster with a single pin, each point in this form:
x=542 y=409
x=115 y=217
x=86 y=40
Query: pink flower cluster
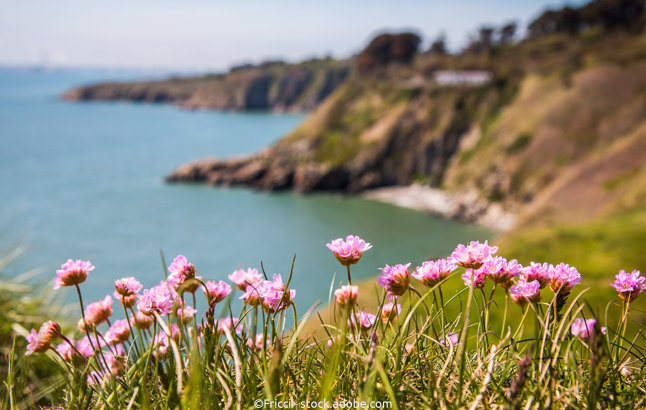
x=217 y=291
x=72 y=273
x=346 y=297
x=473 y=255
x=119 y=332
x=390 y=311
x=563 y=278
x=348 y=252
x=155 y=300
x=365 y=320
x=431 y=273
x=629 y=285
x=524 y=292
x=243 y=279
x=275 y=295
x=99 y=312
x=395 y=279
x=583 y=328
x=181 y=272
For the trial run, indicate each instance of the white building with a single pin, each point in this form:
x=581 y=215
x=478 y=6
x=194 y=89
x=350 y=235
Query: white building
x=468 y=77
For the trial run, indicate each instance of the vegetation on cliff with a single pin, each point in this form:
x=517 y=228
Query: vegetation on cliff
x=268 y=86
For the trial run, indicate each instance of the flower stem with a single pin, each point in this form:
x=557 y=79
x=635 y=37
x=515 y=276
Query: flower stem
x=134 y=342
x=412 y=289
x=349 y=278
x=87 y=329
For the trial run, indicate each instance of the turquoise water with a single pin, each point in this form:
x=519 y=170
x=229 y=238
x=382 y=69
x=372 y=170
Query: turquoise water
x=85 y=181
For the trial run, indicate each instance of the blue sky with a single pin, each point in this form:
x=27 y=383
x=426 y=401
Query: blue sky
x=202 y=35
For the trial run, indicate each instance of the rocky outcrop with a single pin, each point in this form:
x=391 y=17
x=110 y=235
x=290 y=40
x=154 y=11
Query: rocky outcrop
x=276 y=86
x=333 y=151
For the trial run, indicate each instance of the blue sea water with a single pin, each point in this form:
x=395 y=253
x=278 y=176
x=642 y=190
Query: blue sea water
x=85 y=181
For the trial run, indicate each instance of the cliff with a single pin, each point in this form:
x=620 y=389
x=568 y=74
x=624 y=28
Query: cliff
x=560 y=112
x=269 y=86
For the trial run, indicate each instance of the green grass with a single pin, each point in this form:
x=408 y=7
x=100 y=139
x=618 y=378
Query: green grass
x=528 y=358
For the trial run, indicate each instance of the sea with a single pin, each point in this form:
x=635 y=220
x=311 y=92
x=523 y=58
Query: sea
x=85 y=180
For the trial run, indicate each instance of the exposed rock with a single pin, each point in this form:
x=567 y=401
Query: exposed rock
x=279 y=87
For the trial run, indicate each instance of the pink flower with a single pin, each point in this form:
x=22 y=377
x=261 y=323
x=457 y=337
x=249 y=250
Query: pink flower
x=141 y=321
x=229 y=323
x=80 y=325
x=70 y=355
x=116 y=361
x=584 y=327
x=49 y=331
x=257 y=344
x=162 y=343
x=243 y=278
x=180 y=266
x=366 y=320
x=501 y=272
x=36 y=343
x=350 y=251
x=473 y=255
x=72 y=273
x=334 y=340
x=450 y=340
x=474 y=278
x=252 y=295
x=155 y=300
x=127 y=301
x=629 y=285
x=217 y=291
x=127 y=286
x=186 y=314
x=526 y=292
x=563 y=278
x=165 y=286
x=395 y=279
x=433 y=272
x=538 y=272
x=175 y=333
x=180 y=271
x=119 y=332
x=390 y=311
x=275 y=295
x=85 y=347
x=346 y=296
x=98 y=312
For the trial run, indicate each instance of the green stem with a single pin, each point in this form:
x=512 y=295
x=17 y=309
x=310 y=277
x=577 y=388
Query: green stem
x=349 y=278
x=134 y=342
x=152 y=346
x=87 y=329
x=462 y=348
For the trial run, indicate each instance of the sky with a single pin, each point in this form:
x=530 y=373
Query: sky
x=201 y=35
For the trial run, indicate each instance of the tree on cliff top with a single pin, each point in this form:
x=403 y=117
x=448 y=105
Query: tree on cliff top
x=387 y=48
x=607 y=14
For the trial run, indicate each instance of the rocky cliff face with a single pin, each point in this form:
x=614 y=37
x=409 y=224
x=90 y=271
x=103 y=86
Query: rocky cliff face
x=277 y=86
x=526 y=142
x=369 y=134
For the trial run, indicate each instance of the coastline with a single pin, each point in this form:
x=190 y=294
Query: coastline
x=465 y=207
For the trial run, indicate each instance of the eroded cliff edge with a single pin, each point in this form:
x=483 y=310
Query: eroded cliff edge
x=269 y=86
x=558 y=134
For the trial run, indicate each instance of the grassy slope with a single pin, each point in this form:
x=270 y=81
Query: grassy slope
x=570 y=149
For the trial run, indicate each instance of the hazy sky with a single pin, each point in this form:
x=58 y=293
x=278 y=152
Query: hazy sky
x=213 y=35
